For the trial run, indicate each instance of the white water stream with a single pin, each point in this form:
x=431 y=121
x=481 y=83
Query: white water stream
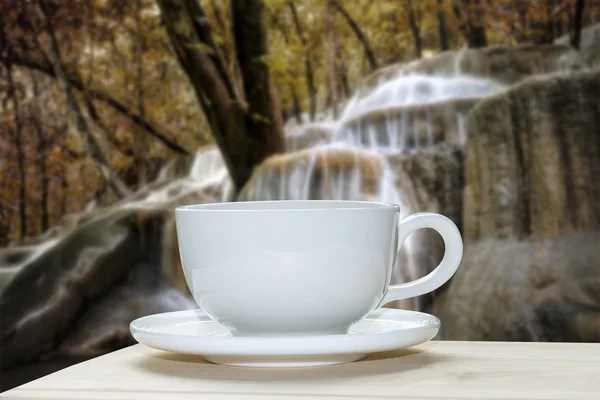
x=344 y=159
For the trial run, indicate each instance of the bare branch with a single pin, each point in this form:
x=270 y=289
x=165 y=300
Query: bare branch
x=310 y=75
x=246 y=135
x=359 y=34
x=82 y=126
x=27 y=61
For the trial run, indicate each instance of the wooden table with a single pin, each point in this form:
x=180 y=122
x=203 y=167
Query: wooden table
x=435 y=370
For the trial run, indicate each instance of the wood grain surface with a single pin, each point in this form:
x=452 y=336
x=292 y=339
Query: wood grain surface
x=435 y=370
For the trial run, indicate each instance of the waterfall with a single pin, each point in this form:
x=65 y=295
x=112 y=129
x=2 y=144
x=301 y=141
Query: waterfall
x=341 y=159
x=399 y=140
x=348 y=158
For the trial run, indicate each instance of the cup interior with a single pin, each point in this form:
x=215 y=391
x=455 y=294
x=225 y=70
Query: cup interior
x=286 y=205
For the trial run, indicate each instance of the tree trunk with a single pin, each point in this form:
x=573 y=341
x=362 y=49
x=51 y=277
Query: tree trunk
x=414 y=27
x=231 y=63
x=310 y=76
x=64 y=184
x=472 y=22
x=578 y=24
x=43 y=163
x=359 y=34
x=340 y=67
x=141 y=148
x=245 y=133
x=264 y=125
x=42 y=147
x=296 y=105
x=343 y=74
x=442 y=29
x=20 y=154
x=333 y=86
x=549 y=33
x=82 y=126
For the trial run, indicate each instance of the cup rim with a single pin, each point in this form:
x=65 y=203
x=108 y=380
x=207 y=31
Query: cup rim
x=274 y=206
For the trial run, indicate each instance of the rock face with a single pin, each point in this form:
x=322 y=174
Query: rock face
x=513 y=64
x=589 y=46
x=429 y=180
x=98 y=269
x=432 y=180
x=525 y=290
x=75 y=291
x=504 y=64
x=531 y=269
x=533 y=159
x=409 y=127
x=310 y=135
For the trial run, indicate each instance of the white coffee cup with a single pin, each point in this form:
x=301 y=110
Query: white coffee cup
x=284 y=268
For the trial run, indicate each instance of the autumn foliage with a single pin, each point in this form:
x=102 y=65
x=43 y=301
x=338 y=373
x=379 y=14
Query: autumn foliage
x=135 y=106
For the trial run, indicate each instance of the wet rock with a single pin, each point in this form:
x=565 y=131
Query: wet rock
x=310 y=135
x=504 y=64
x=533 y=158
x=525 y=290
x=80 y=294
x=13 y=259
x=75 y=290
x=77 y=273
x=511 y=65
x=531 y=216
x=429 y=180
x=104 y=327
x=589 y=45
x=40 y=305
x=402 y=128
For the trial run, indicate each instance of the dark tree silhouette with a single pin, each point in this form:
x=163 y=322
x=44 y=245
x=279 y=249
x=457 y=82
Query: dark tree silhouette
x=359 y=34
x=471 y=14
x=577 y=23
x=246 y=130
x=442 y=28
x=413 y=21
x=310 y=75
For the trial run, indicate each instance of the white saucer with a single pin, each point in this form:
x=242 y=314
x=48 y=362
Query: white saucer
x=193 y=332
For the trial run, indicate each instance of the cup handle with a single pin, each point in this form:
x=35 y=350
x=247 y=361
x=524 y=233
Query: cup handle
x=447 y=267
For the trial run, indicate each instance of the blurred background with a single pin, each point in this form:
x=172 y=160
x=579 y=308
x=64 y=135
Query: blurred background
x=114 y=112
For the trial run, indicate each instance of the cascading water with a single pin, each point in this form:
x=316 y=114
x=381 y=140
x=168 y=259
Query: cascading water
x=327 y=159
x=347 y=158
x=398 y=137
x=410 y=112
x=344 y=159
x=418 y=90
x=201 y=172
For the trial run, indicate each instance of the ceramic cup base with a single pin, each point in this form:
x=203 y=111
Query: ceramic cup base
x=290 y=362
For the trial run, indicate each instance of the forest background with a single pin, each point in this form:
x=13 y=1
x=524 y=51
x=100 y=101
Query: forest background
x=97 y=95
